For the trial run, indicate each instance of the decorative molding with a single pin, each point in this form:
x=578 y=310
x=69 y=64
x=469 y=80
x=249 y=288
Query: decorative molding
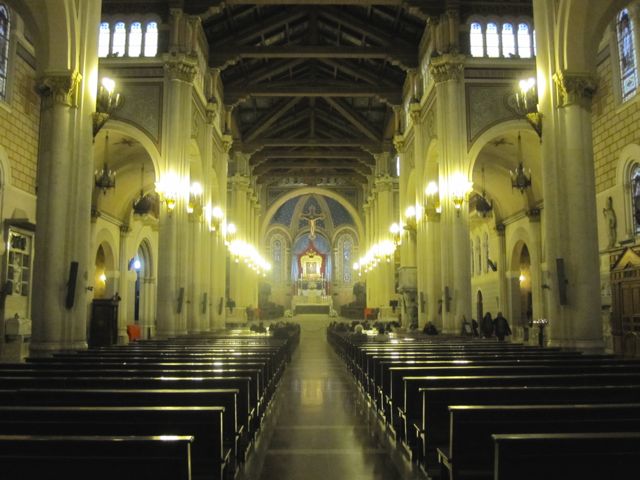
x=575 y=88
x=227 y=143
x=60 y=89
x=486 y=107
x=400 y=143
x=142 y=107
x=447 y=67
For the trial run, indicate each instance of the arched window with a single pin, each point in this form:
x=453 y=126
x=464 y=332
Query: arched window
x=627 y=55
x=347 y=255
x=151 y=40
x=104 y=39
x=524 y=41
x=493 y=40
x=119 y=39
x=508 y=40
x=276 y=257
x=635 y=197
x=476 y=40
x=135 y=39
x=5 y=30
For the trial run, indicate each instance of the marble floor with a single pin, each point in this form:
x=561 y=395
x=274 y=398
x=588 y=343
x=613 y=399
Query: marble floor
x=319 y=426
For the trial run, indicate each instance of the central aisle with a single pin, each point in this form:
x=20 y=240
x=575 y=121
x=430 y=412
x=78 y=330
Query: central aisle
x=319 y=427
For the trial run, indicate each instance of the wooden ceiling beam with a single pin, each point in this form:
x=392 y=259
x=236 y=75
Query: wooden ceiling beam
x=267 y=120
x=266 y=25
x=273 y=154
x=306 y=164
x=359 y=73
x=405 y=58
x=265 y=73
x=354 y=117
x=363 y=143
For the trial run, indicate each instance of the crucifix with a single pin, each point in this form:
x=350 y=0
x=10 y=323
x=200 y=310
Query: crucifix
x=312 y=218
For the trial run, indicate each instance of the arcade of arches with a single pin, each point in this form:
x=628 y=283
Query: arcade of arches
x=281 y=156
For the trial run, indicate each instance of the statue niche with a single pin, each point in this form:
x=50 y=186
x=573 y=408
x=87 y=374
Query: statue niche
x=311 y=265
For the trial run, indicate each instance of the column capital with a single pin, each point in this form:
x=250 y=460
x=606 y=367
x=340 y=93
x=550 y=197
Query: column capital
x=447 y=67
x=415 y=112
x=180 y=67
x=501 y=228
x=241 y=182
x=533 y=214
x=400 y=143
x=60 y=89
x=227 y=143
x=575 y=88
x=211 y=112
x=384 y=183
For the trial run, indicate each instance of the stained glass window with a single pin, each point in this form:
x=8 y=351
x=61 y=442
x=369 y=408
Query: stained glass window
x=635 y=197
x=524 y=41
x=627 y=55
x=508 y=40
x=5 y=27
x=276 y=255
x=104 y=39
x=493 y=40
x=347 y=255
x=151 y=40
x=135 y=39
x=119 y=39
x=476 y=40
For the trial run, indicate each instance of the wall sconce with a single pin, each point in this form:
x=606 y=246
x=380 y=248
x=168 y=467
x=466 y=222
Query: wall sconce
x=169 y=189
x=459 y=187
x=526 y=104
x=108 y=101
x=356 y=266
x=229 y=233
x=217 y=215
x=194 y=207
x=483 y=205
x=433 y=198
x=410 y=218
x=396 y=231
x=105 y=178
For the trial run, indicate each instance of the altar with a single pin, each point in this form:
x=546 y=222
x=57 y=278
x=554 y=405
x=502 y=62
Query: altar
x=312 y=288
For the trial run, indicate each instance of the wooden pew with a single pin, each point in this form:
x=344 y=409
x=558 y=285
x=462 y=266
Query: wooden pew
x=411 y=413
x=432 y=430
x=246 y=409
x=73 y=457
x=469 y=452
x=560 y=456
x=205 y=424
x=234 y=435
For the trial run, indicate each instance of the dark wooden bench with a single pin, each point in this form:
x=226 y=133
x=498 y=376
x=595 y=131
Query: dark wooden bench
x=469 y=453
x=205 y=424
x=234 y=435
x=411 y=411
x=72 y=457
x=561 y=456
x=246 y=408
x=432 y=430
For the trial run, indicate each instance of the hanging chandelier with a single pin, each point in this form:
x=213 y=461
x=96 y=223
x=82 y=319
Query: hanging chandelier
x=144 y=204
x=483 y=205
x=105 y=179
x=520 y=178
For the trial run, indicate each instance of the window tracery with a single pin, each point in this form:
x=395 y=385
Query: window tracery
x=135 y=38
x=627 y=54
x=5 y=30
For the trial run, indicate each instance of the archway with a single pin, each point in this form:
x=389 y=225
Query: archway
x=522 y=308
x=143 y=290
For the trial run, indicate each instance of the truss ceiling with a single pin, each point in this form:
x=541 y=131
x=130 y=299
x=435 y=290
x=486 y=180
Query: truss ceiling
x=313 y=86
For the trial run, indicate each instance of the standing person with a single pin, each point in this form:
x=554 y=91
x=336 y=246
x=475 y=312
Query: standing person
x=486 y=325
x=475 y=326
x=501 y=327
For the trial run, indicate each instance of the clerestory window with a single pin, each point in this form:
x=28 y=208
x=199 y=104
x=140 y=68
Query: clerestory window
x=5 y=31
x=128 y=39
x=627 y=55
x=503 y=39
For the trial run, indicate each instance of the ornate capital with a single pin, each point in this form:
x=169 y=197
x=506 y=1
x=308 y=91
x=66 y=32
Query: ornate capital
x=415 y=112
x=211 y=111
x=399 y=143
x=575 y=88
x=501 y=228
x=384 y=183
x=533 y=214
x=227 y=143
x=181 y=67
x=447 y=67
x=60 y=89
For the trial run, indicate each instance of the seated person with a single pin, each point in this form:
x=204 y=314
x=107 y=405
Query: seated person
x=430 y=329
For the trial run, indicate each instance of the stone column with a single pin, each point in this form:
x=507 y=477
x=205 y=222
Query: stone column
x=239 y=191
x=127 y=294
x=448 y=73
x=386 y=269
x=173 y=244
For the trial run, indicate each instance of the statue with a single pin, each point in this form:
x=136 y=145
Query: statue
x=312 y=218
x=610 y=215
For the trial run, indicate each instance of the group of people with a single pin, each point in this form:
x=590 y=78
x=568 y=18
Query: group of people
x=488 y=327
